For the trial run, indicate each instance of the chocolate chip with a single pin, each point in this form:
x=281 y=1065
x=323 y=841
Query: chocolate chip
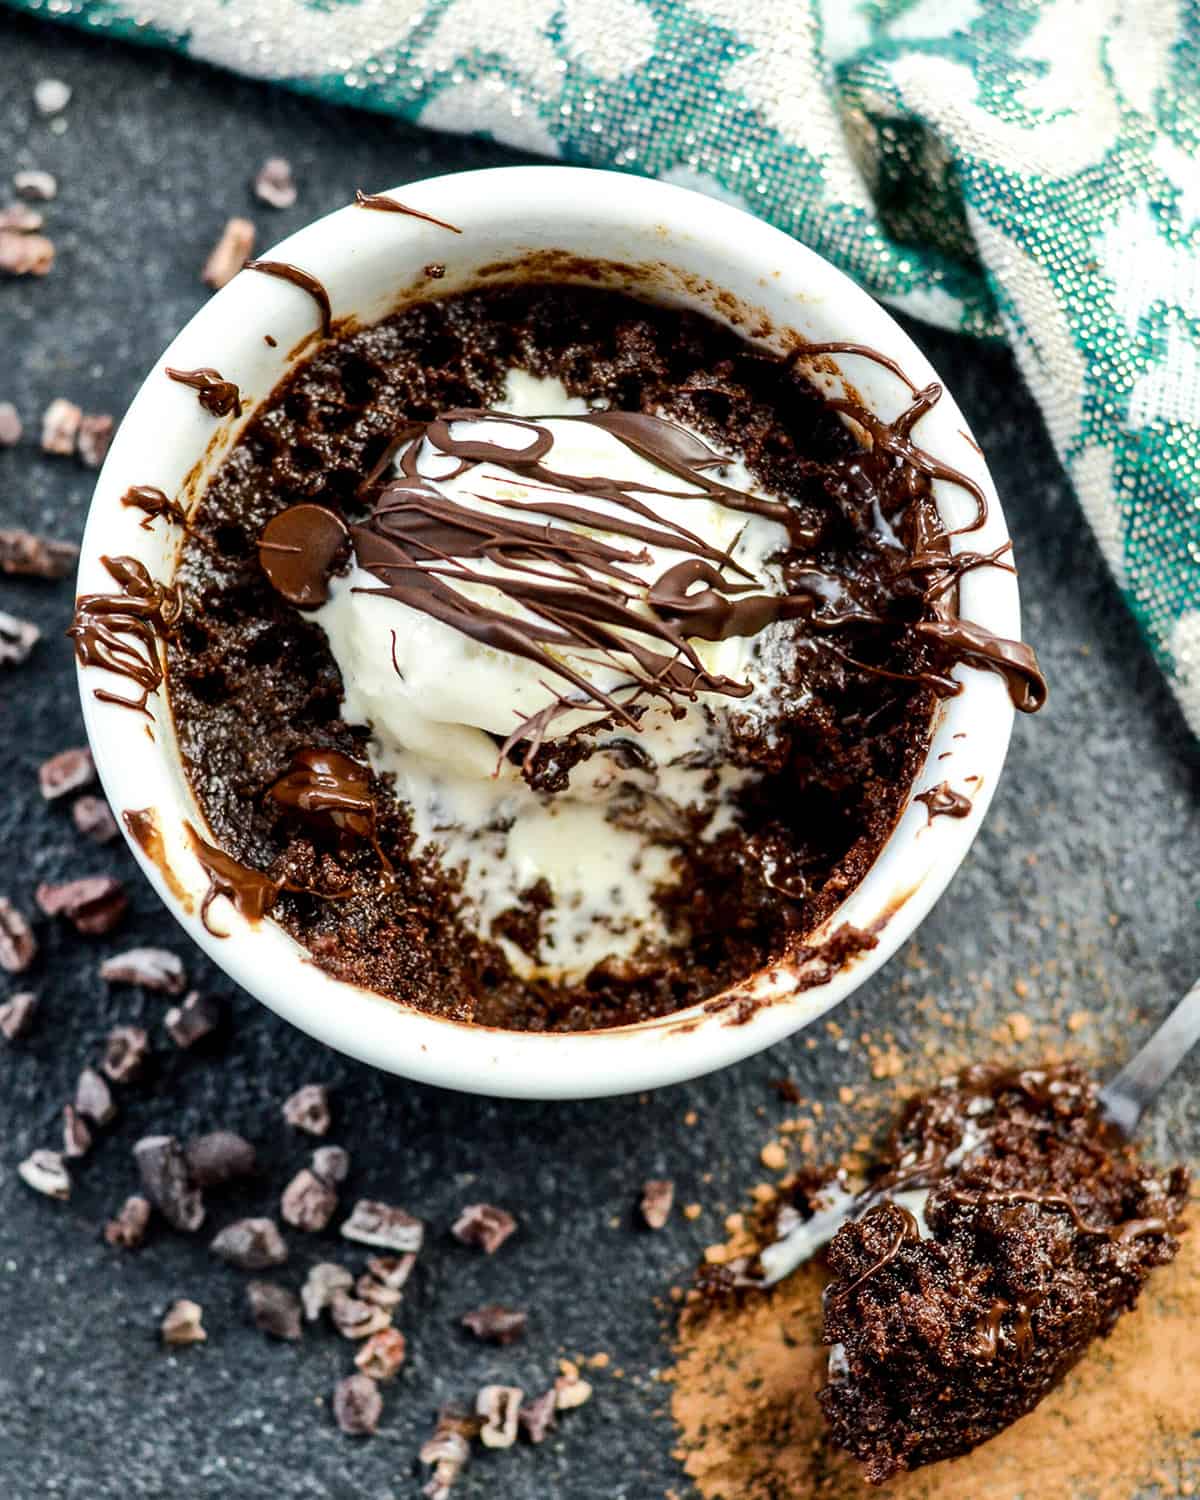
x=17 y=639
x=570 y=1388
x=93 y=1098
x=658 y=1197
x=484 y=1225
x=39 y=187
x=354 y=1319
x=447 y=1450
x=94 y=905
x=219 y=1157
x=18 y=946
x=357 y=1405
x=125 y=1051
x=25 y=254
x=229 y=254
x=168 y=1183
x=25 y=555
x=10 y=421
x=94 y=438
x=67 y=771
x=392 y=1270
x=308 y=1109
x=93 y=818
x=250 y=1245
x=322 y=1281
x=45 y=1172
x=495 y=1324
x=181 y=1324
x=77 y=1137
x=308 y=1202
x=197 y=1017
x=60 y=426
x=51 y=96
x=151 y=968
x=128 y=1229
x=383 y=1226
x=331 y=1163
x=275 y=1310
x=499 y=1405
x=25 y=220
x=537 y=1416
x=382 y=1355
x=274 y=184
x=17 y=1015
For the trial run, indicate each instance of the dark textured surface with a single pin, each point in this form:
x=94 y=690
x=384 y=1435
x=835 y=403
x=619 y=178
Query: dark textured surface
x=1081 y=889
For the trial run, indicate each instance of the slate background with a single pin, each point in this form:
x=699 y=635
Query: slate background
x=1081 y=887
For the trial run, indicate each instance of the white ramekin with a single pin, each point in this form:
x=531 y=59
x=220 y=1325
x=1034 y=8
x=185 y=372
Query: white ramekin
x=671 y=245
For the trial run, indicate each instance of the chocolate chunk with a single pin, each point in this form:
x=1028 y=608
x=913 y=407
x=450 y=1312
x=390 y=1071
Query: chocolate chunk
x=181 y=1323
x=392 y=1271
x=94 y=438
x=322 y=1281
x=383 y=1226
x=168 y=1183
x=354 y=1319
x=51 y=96
x=151 y=968
x=250 y=1245
x=28 y=556
x=93 y=1098
x=219 y=1157
x=367 y=1289
x=308 y=1109
x=17 y=1015
x=60 y=426
x=25 y=220
x=537 y=1416
x=94 y=905
x=77 y=1137
x=66 y=772
x=18 y=946
x=484 y=1225
x=275 y=1310
x=499 y=1406
x=45 y=1172
x=25 y=254
x=495 y=1324
x=229 y=254
x=93 y=818
x=125 y=1052
x=382 y=1355
x=570 y=1388
x=197 y=1017
x=274 y=184
x=38 y=187
x=308 y=1202
x=10 y=421
x=17 y=639
x=658 y=1196
x=128 y=1229
x=357 y=1405
x=331 y=1163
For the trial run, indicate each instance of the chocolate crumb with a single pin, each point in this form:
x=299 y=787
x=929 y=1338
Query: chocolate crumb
x=377 y=1293
x=435 y=270
x=168 y=1183
x=357 y=1405
x=181 y=1323
x=46 y=1173
x=537 y=1416
x=66 y=772
x=51 y=96
x=308 y=1109
x=60 y=427
x=570 y=1388
x=25 y=254
x=392 y=1270
x=308 y=1202
x=197 y=1017
x=151 y=968
x=495 y=1324
x=125 y=1053
x=447 y=1450
x=274 y=183
x=18 y=946
x=229 y=254
x=658 y=1198
x=17 y=1015
x=382 y=1355
x=10 y=421
x=484 y=1226
x=499 y=1406
x=275 y=1310
x=94 y=905
x=128 y=1229
x=17 y=639
x=331 y=1163
x=219 y=1157
x=26 y=555
x=93 y=1098
x=94 y=438
x=250 y=1245
x=77 y=1137
x=35 y=186
x=322 y=1281
x=383 y=1226
x=354 y=1319
x=93 y=818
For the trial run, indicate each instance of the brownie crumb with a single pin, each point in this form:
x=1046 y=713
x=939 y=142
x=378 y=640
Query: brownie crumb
x=357 y=1405
x=275 y=1310
x=308 y=1109
x=219 y=1157
x=384 y=1227
x=382 y=1355
x=495 y=1324
x=93 y=818
x=191 y=1021
x=168 y=1183
x=152 y=968
x=485 y=1226
x=45 y=1172
x=182 y=1324
x=128 y=1229
x=18 y=946
x=250 y=1245
x=658 y=1198
x=17 y=1015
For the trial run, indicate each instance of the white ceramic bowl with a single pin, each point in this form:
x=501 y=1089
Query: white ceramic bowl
x=674 y=246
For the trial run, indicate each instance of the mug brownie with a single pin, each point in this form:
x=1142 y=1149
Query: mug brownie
x=551 y=659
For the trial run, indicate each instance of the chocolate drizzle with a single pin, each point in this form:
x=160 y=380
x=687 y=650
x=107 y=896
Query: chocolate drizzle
x=942 y=801
x=251 y=892
x=121 y=632
x=154 y=502
x=383 y=204
x=305 y=280
x=218 y=396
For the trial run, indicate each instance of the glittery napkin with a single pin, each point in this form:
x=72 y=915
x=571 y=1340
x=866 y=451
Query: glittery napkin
x=1022 y=169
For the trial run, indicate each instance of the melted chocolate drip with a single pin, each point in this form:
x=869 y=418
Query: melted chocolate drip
x=305 y=280
x=298 y=550
x=154 y=502
x=251 y=893
x=383 y=204
x=121 y=632
x=1013 y=660
x=218 y=396
x=332 y=792
x=942 y=801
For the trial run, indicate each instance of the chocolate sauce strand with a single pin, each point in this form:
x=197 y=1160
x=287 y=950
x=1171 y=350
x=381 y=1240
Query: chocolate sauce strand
x=153 y=502
x=251 y=893
x=305 y=280
x=218 y=396
x=942 y=801
x=978 y=647
x=383 y=204
x=122 y=632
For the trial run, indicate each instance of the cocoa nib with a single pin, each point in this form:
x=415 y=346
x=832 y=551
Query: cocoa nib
x=168 y=1183
x=658 y=1196
x=499 y=1405
x=125 y=1053
x=357 y=1405
x=219 y=1157
x=17 y=1015
x=537 y=1416
x=308 y=1109
x=447 y=1451
x=151 y=968
x=250 y=1245
x=25 y=254
x=93 y=1098
x=495 y=1324
x=66 y=772
x=195 y=1018
x=60 y=427
x=35 y=186
x=383 y=1226
x=322 y=1281
x=382 y=1354
x=77 y=1135
x=274 y=184
x=93 y=818
x=275 y=1310
x=229 y=254
x=93 y=439
x=128 y=1229
x=331 y=1163
x=94 y=905
x=46 y=1173
x=308 y=1202
x=10 y=420
x=28 y=556
x=17 y=640
x=181 y=1323
x=18 y=946
x=484 y=1225
x=354 y=1319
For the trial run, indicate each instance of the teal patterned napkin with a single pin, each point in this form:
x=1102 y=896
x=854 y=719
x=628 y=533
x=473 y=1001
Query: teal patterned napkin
x=1024 y=169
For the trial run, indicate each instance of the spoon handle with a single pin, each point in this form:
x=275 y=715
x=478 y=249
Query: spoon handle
x=1125 y=1097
